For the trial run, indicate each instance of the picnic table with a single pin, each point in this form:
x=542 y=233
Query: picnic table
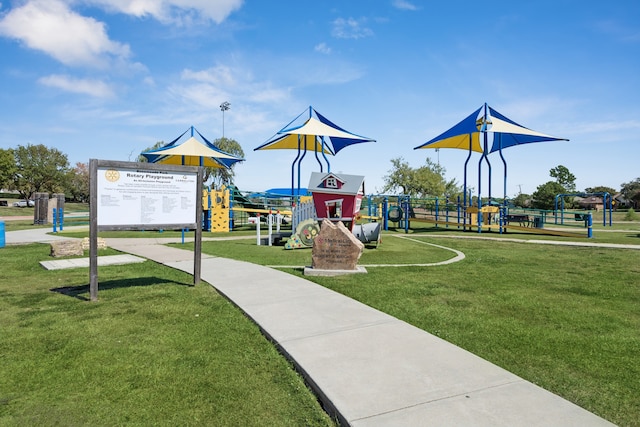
x=521 y=219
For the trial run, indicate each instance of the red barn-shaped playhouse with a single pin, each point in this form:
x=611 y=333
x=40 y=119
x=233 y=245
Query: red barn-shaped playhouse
x=337 y=197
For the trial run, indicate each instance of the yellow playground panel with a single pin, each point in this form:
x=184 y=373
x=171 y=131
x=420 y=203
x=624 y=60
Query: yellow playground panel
x=486 y=211
x=217 y=201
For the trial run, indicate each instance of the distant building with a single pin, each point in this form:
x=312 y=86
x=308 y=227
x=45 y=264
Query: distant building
x=593 y=203
x=620 y=202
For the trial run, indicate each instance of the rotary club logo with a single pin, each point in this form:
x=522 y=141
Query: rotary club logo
x=112 y=175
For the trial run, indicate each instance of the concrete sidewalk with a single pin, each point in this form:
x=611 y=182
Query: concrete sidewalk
x=32 y=235
x=369 y=368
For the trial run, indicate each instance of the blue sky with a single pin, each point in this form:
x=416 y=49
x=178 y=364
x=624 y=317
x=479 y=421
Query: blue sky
x=108 y=78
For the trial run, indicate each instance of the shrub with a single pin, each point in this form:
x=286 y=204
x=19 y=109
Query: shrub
x=631 y=215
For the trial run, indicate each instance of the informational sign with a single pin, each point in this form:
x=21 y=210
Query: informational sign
x=145 y=197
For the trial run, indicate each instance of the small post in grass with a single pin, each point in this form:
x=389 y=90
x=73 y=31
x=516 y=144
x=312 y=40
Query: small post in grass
x=269 y=225
x=258 y=229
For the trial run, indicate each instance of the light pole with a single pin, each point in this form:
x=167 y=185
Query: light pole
x=224 y=107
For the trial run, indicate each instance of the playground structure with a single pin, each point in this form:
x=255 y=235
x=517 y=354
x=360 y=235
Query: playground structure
x=494 y=217
x=474 y=134
x=228 y=209
x=484 y=131
x=607 y=202
x=310 y=131
x=296 y=218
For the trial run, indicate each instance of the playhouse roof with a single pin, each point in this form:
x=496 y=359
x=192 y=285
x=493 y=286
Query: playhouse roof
x=351 y=184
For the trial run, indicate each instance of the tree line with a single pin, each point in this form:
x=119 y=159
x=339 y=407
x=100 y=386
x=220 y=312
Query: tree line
x=429 y=180
x=30 y=169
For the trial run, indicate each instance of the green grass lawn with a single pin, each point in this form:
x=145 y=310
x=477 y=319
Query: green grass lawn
x=565 y=318
x=395 y=251
x=152 y=351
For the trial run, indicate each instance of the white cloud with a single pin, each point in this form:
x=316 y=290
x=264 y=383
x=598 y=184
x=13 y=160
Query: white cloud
x=220 y=75
x=174 y=11
x=404 y=5
x=196 y=98
x=51 y=27
x=90 y=87
x=212 y=86
x=350 y=29
x=322 y=48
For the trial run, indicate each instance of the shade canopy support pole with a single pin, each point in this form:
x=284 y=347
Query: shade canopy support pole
x=464 y=221
x=316 y=154
x=479 y=219
x=293 y=166
x=325 y=155
x=486 y=159
x=304 y=153
x=483 y=130
x=504 y=163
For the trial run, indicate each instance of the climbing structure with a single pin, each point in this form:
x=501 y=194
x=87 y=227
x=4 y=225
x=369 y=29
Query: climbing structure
x=216 y=207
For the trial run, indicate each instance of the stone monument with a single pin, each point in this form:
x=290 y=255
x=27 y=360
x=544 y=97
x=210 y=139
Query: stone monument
x=41 y=205
x=335 y=251
x=69 y=247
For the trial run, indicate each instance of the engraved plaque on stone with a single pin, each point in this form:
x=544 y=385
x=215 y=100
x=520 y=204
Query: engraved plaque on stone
x=335 y=248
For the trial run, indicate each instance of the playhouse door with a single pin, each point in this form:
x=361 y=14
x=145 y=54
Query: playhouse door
x=333 y=208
